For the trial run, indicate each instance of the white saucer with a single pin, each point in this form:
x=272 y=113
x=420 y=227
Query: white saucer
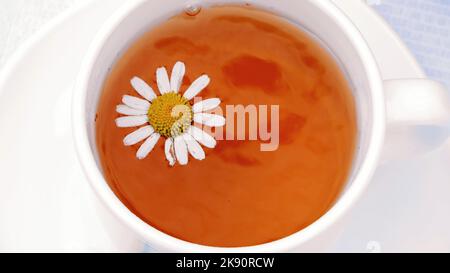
x=47 y=205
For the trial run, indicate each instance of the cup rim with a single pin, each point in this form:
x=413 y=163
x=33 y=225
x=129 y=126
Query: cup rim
x=159 y=239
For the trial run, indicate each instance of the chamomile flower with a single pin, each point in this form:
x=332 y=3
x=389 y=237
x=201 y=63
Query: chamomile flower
x=169 y=116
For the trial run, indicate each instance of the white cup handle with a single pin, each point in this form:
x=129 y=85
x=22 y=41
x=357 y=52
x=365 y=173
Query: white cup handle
x=412 y=104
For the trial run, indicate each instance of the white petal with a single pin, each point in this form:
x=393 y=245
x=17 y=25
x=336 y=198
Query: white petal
x=143 y=89
x=128 y=111
x=177 y=76
x=193 y=147
x=209 y=119
x=181 y=150
x=170 y=153
x=131 y=121
x=202 y=137
x=148 y=146
x=138 y=135
x=206 y=105
x=196 y=87
x=163 y=80
x=136 y=103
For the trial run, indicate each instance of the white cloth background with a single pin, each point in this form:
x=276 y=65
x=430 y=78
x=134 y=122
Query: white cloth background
x=19 y=19
x=424 y=25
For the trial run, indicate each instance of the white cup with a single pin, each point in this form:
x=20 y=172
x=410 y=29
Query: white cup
x=380 y=104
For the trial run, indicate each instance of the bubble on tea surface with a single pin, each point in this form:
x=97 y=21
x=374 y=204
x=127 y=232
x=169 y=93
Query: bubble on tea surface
x=193 y=9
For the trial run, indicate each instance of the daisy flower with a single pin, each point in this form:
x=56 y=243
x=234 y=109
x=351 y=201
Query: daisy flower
x=169 y=116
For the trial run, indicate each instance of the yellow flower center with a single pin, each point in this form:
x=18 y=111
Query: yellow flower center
x=170 y=115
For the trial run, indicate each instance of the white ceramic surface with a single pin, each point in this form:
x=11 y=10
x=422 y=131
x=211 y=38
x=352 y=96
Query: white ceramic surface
x=395 y=103
x=46 y=204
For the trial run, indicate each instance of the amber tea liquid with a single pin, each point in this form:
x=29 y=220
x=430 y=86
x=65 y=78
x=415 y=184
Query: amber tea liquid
x=237 y=196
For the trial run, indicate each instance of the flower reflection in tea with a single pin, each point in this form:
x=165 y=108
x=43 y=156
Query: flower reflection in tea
x=169 y=115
